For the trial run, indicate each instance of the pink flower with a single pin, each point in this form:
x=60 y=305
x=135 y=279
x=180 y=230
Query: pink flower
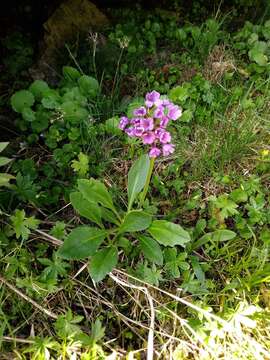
x=148 y=103
x=154 y=152
x=166 y=102
x=158 y=131
x=136 y=121
x=152 y=130
x=123 y=122
x=141 y=111
x=130 y=131
x=164 y=121
x=165 y=137
x=148 y=138
x=159 y=112
x=152 y=98
x=147 y=124
x=138 y=131
x=174 y=112
x=167 y=149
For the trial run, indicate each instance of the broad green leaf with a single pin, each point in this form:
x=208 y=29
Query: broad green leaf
x=74 y=95
x=4 y=160
x=3 y=145
x=103 y=262
x=223 y=235
x=137 y=178
x=28 y=114
x=38 y=88
x=136 y=220
x=168 y=234
x=257 y=53
x=70 y=73
x=22 y=99
x=112 y=126
x=85 y=208
x=42 y=120
x=259 y=58
x=171 y=265
x=73 y=112
x=151 y=249
x=109 y=216
x=82 y=242
x=125 y=244
x=89 y=86
x=95 y=191
x=203 y=240
x=218 y=235
x=197 y=269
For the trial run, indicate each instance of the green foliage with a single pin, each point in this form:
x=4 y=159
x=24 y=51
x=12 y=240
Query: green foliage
x=82 y=242
x=22 y=100
x=94 y=191
x=135 y=220
x=103 y=262
x=23 y=225
x=54 y=268
x=81 y=166
x=18 y=53
x=137 y=178
x=168 y=234
x=4 y=177
x=85 y=208
x=67 y=325
x=252 y=41
x=58 y=230
x=88 y=86
x=89 y=201
x=39 y=88
x=151 y=250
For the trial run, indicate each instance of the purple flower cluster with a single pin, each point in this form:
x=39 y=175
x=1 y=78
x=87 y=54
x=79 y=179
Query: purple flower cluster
x=149 y=124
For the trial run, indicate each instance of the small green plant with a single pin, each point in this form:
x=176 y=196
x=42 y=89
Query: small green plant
x=57 y=112
x=252 y=41
x=4 y=177
x=93 y=201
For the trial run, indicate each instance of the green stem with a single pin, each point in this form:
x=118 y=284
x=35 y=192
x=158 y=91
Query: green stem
x=117 y=215
x=146 y=186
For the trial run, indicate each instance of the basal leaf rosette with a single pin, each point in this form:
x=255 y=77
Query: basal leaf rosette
x=150 y=122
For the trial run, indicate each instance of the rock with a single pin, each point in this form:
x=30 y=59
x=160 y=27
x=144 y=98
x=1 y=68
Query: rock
x=69 y=19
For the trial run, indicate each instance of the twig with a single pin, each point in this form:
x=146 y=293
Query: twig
x=19 y=340
x=181 y=300
x=28 y=299
x=52 y=239
x=80 y=270
x=150 y=347
x=58 y=211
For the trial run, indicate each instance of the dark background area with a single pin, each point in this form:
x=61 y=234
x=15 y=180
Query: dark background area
x=29 y=15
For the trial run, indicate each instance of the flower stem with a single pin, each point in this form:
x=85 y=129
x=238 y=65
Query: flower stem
x=146 y=186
